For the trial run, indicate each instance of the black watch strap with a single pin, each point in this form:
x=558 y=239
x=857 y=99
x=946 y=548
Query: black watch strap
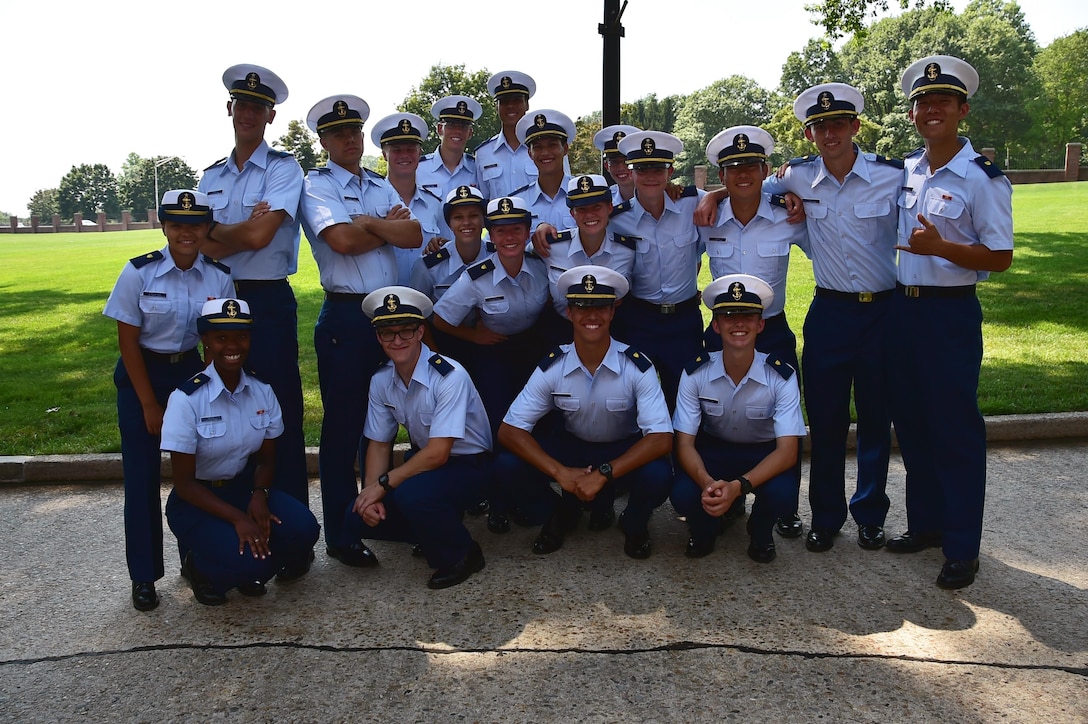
x=605 y=469
x=745 y=485
x=383 y=480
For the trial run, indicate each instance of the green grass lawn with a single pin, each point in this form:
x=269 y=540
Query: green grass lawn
x=57 y=351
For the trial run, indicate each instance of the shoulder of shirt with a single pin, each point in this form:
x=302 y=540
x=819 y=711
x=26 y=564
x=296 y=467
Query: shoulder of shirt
x=533 y=256
x=696 y=363
x=620 y=208
x=877 y=158
x=916 y=152
x=426 y=157
x=989 y=167
x=689 y=191
x=515 y=192
x=194 y=383
x=278 y=153
x=478 y=270
x=431 y=260
x=220 y=162
x=623 y=240
x=801 y=160
x=373 y=174
x=549 y=359
x=216 y=263
x=563 y=236
x=440 y=364
x=780 y=366
x=482 y=144
x=145 y=259
x=778 y=200
x=641 y=361
x=430 y=193
x=471 y=155
x=319 y=170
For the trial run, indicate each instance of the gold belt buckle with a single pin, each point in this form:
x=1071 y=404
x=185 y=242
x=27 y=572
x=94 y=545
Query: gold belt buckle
x=176 y=357
x=217 y=483
x=912 y=292
x=668 y=308
x=865 y=296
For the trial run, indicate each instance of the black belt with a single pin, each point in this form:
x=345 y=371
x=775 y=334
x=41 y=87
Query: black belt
x=936 y=292
x=693 y=302
x=215 y=483
x=171 y=358
x=861 y=297
x=240 y=284
x=344 y=297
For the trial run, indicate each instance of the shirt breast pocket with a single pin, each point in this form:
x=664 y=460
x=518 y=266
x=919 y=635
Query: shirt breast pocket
x=773 y=249
x=154 y=305
x=260 y=421
x=719 y=249
x=617 y=404
x=713 y=409
x=426 y=418
x=568 y=404
x=756 y=412
x=815 y=211
x=867 y=216
x=496 y=305
x=683 y=241
x=211 y=430
x=939 y=205
x=490 y=171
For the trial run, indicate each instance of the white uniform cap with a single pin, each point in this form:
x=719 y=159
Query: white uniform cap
x=335 y=111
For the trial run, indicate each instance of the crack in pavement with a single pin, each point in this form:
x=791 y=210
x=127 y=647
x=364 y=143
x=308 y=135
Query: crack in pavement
x=664 y=648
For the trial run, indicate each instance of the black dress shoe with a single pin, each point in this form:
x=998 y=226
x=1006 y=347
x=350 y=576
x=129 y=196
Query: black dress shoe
x=601 y=519
x=699 y=548
x=478 y=509
x=914 y=542
x=789 y=527
x=498 y=522
x=417 y=550
x=637 y=545
x=202 y=588
x=819 y=540
x=957 y=574
x=871 y=537
x=295 y=571
x=252 y=589
x=549 y=541
x=356 y=555
x=761 y=552
x=458 y=572
x=144 y=597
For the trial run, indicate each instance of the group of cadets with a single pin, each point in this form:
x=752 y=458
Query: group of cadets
x=527 y=327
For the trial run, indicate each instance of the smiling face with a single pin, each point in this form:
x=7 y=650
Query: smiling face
x=511 y=107
x=510 y=239
x=591 y=324
x=620 y=173
x=547 y=153
x=401 y=342
x=737 y=331
x=454 y=135
x=744 y=182
x=344 y=144
x=834 y=137
x=592 y=218
x=651 y=182
x=936 y=116
x=402 y=157
x=250 y=120
x=227 y=349
x=466 y=223
x=184 y=241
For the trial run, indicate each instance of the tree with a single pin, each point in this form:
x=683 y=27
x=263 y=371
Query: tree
x=136 y=184
x=303 y=145
x=849 y=16
x=651 y=114
x=817 y=63
x=584 y=157
x=88 y=189
x=1061 y=68
x=446 y=80
x=44 y=204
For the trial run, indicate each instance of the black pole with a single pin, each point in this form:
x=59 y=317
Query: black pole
x=611 y=30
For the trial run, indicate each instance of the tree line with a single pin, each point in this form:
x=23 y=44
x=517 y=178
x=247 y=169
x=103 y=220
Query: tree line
x=1030 y=103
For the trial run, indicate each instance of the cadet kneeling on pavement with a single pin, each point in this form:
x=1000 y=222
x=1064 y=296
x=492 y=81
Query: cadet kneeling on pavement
x=422 y=499
x=738 y=424
x=615 y=424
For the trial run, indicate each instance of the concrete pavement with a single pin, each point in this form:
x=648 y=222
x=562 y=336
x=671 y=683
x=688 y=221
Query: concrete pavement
x=583 y=634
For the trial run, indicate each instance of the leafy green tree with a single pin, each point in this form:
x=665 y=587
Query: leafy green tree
x=87 y=189
x=584 y=157
x=838 y=17
x=817 y=63
x=1061 y=68
x=303 y=145
x=136 y=184
x=652 y=114
x=446 y=80
x=44 y=204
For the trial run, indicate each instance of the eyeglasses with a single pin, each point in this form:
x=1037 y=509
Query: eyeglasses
x=405 y=333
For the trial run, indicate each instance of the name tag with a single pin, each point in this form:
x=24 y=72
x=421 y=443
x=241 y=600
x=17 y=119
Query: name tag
x=214 y=418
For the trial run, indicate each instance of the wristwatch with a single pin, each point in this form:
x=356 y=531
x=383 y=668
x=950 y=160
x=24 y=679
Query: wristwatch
x=745 y=485
x=267 y=491
x=605 y=469
x=383 y=480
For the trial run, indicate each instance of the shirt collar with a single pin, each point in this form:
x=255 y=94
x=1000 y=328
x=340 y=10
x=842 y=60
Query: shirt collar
x=259 y=157
x=959 y=164
x=611 y=361
x=216 y=386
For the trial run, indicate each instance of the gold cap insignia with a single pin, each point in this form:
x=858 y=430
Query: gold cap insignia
x=231 y=308
x=585 y=184
x=252 y=80
x=505 y=82
x=589 y=282
x=740 y=141
x=463 y=192
x=186 y=201
x=341 y=108
x=648 y=146
x=462 y=107
x=405 y=126
x=506 y=205
x=932 y=71
x=737 y=290
x=825 y=100
x=618 y=136
x=540 y=120
x=392 y=302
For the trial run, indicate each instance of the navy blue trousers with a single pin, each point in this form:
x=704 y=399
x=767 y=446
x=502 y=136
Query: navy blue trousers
x=213 y=541
x=648 y=486
x=936 y=354
x=671 y=341
x=726 y=461
x=845 y=348
x=427 y=509
x=141 y=461
x=273 y=357
x=499 y=371
x=348 y=354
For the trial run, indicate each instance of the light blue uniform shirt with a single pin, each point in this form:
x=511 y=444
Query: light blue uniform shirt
x=966 y=206
x=547 y=210
x=269 y=175
x=222 y=428
x=506 y=305
x=852 y=225
x=436 y=272
x=164 y=301
x=433 y=175
x=764 y=406
x=426 y=208
x=500 y=169
x=619 y=401
x=567 y=252
x=667 y=250
x=617 y=199
x=433 y=405
x=760 y=248
x=335 y=195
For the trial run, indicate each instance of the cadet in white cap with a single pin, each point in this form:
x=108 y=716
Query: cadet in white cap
x=955 y=227
x=615 y=425
x=547 y=134
x=400 y=137
x=724 y=451
x=495 y=306
x=254 y=194
x=607 y=142
x=449 y=166
x=235 y=528
x=661 y=316
x=155 y=302
x=432 y=397
x=849 y=198
x=354 y=221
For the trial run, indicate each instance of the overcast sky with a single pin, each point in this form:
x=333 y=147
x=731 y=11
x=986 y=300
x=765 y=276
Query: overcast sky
x=90 y=84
